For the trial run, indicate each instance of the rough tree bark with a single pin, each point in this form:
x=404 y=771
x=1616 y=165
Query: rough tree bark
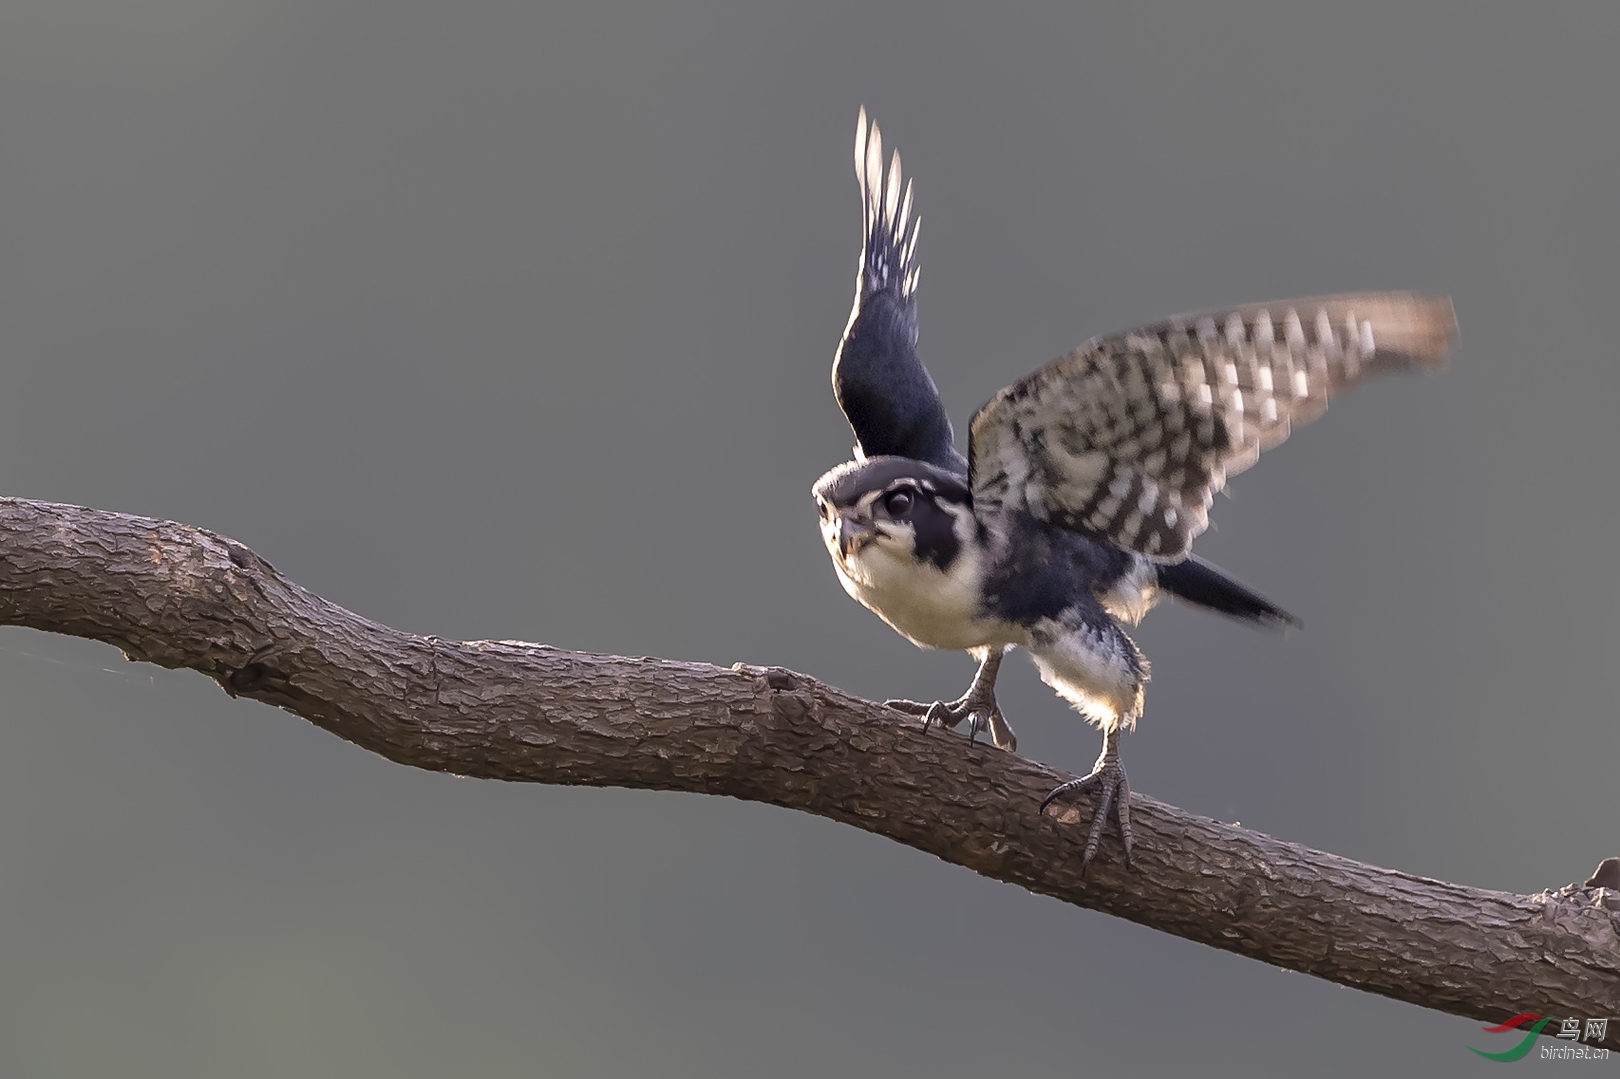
x=179 y=596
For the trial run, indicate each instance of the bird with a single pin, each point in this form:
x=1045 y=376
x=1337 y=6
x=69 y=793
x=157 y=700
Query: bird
x=1084 y=483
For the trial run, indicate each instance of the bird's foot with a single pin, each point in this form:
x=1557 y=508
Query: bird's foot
x=1108 y=779
x=978 y=707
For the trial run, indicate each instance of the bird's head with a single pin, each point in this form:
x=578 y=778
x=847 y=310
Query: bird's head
x=891 y=512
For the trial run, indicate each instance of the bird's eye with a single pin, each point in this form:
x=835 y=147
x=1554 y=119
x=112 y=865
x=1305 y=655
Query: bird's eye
x=898 y=503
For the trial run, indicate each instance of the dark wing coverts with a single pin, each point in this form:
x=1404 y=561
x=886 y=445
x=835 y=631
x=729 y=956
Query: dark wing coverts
x=1130 y=436
x=885 y=391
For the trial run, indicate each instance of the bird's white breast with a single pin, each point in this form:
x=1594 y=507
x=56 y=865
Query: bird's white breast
x=930 y=607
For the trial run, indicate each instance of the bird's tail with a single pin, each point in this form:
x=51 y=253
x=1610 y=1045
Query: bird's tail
x=1200 y=583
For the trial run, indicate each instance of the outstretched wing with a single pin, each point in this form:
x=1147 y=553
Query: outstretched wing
x=1129 y=437
x=881 y=385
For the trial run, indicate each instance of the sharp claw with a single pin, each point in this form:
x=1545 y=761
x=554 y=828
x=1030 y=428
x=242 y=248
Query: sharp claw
x=976 y=726
x=1058 y=792
x=910 y=708
x=1082 y=784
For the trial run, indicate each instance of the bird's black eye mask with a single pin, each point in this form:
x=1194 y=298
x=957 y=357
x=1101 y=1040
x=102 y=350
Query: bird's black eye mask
x=933 y=529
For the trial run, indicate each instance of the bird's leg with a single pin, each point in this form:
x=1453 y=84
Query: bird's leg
x=978 y=705
x=1107 y=778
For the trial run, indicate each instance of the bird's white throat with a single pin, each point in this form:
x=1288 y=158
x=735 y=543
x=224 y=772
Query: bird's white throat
x=929 y=606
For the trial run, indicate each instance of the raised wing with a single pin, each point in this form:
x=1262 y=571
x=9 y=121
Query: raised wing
x=885 y=391
x=1130 y=436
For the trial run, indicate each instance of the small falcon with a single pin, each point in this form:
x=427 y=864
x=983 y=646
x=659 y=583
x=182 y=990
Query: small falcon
x=1085 y=482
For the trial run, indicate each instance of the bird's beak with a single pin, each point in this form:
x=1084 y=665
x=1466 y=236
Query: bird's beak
x=854 y=535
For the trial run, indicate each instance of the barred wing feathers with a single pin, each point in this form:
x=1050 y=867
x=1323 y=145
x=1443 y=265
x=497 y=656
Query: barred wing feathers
x=1129 y=437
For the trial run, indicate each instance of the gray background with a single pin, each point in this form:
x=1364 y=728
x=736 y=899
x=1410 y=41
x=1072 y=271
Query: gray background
x=494 y=320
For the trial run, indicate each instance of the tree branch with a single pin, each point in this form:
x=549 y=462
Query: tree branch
x=180 y=596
